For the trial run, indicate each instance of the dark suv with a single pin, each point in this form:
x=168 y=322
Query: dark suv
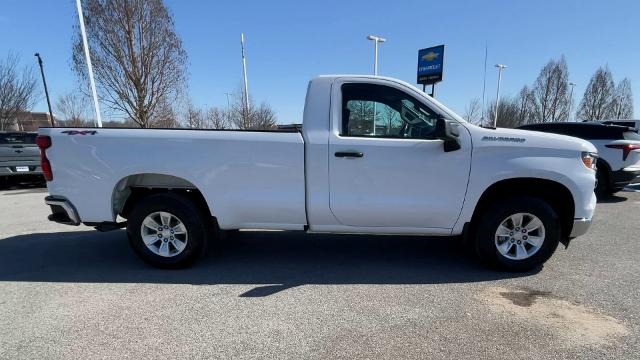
x=19 y=156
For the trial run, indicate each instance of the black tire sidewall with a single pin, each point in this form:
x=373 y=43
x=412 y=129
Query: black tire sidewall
x=603 y=187
x=179 y=206
x=493 y=217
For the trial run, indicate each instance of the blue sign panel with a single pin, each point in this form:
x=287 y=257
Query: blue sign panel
x=430 y=61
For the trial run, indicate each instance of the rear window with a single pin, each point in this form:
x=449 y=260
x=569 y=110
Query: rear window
x=631 y=135
x=17 y=138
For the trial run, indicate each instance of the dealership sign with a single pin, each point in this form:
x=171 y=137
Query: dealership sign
x=430 y=61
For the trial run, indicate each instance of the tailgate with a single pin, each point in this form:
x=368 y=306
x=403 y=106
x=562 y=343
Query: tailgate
x=19 y=153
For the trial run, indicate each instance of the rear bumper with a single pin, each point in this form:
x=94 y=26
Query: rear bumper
x=623 y=177
x=62 y=211
x=580 y=227
x=12 y=170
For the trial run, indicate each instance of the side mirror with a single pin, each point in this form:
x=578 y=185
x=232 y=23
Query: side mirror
x=448 y=131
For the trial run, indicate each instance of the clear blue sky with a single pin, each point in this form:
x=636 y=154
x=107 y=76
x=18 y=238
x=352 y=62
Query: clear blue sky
x=289 y=42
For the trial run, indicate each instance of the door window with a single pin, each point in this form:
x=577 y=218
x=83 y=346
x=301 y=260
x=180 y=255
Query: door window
x=382 y=111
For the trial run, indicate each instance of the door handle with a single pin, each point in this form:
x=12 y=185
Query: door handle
x=354 y=154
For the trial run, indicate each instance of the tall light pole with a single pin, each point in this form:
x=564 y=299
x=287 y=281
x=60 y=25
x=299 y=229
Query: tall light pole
x=495 y=117
x=244 y=74
x=571 y=98
x=46 y=91
x=376 y=40
x=85 y=45
x=228 y=102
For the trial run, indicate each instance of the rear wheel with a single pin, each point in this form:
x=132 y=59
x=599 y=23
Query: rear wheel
x=518 y=234
x=167 y=230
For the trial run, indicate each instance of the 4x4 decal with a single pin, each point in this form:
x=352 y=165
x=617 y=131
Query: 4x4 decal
x=80 y=132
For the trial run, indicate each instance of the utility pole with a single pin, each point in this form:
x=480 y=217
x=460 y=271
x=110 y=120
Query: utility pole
x=244 y=74
x=495 y=118
x=484 y=82
x=228 y=102
x=46 y=91
x=85 y=45
x=571 y=99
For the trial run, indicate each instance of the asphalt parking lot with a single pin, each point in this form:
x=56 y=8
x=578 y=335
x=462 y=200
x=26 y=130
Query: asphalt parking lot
x=71 y=292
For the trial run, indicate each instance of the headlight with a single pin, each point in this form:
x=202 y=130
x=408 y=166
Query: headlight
x=589 y=160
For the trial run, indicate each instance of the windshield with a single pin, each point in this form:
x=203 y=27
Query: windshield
x=18 y=138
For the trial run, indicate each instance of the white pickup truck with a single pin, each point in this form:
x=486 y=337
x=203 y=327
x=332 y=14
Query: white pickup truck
x=374 y=155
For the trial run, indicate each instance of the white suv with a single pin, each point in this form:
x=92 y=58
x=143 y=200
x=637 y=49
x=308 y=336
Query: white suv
x=618 y=150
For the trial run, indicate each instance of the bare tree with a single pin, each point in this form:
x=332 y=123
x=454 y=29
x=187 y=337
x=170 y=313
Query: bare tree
x=165 y=116
x=472 y=112
x=622 y=103
x=137 y=57
x=127 y=123
x=550 y=92
x=73 y=108
x=251 y=117
x=263 y=117
x=390 y=118
x=194 y=118
x=218 y=119
x=361 y=115
x=508 y=112
x=526 y=105
x=18 y=92
x=598 y=97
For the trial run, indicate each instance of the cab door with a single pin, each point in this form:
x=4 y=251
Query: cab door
x=385 y=167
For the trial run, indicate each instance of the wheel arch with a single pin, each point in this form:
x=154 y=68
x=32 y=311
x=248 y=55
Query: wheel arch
x=557 y=195
x=132 y=188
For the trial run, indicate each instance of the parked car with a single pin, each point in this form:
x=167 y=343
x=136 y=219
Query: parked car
x=19 y=156
x=422 y=169
x=618 y=150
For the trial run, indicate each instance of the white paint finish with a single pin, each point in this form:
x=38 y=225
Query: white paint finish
x=542 y=155
x=257 y=180
x=316 y=138
x=247 y=178
x=406 y=183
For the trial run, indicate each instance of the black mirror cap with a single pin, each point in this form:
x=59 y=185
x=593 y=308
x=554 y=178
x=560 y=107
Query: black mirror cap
x=448 y=131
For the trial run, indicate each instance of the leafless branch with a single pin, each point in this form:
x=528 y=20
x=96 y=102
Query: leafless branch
x=18 y=91
x=138 y=59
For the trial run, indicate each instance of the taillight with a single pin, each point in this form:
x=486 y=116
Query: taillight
x=626 y=149
x=44 y=142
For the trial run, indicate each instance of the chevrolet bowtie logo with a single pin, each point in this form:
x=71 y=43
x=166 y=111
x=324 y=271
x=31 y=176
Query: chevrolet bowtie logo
x=430 y=56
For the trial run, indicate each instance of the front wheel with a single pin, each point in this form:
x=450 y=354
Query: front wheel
x=167 y=230
x=518 y=234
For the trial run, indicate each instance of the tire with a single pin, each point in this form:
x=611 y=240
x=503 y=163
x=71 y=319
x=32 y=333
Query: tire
x=489 y=234
x=177 y=246
x=604 y=187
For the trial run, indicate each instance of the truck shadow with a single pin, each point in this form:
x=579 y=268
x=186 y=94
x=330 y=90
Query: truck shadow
x=611 y=199
x=272 y=261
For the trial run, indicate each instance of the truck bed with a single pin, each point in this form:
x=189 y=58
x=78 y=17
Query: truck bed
x=253 y=178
